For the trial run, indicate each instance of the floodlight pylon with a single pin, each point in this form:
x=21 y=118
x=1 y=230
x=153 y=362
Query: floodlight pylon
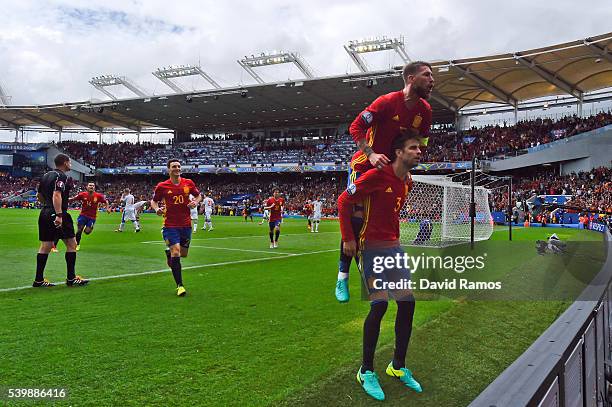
x=165 y=74
x=100 y=82
x=354 y=48
x=4 y=98
x=274 y=58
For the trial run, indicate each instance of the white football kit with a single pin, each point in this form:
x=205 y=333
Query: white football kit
x=209 y=205
x=317 y=210
x=129 y=211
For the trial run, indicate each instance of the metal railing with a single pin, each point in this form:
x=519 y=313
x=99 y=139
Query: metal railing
x=565 y=366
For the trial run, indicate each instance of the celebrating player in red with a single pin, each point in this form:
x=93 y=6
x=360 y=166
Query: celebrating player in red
x=174 y=193
x=276 y=205
x=383 y=193
x=374 y=131
x=90 y=200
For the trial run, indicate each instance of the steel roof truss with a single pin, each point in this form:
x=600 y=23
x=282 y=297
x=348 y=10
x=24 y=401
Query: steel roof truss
x=549 y=76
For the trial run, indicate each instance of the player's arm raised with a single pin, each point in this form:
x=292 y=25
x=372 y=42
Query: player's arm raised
x=363 y=186
x=358 y=129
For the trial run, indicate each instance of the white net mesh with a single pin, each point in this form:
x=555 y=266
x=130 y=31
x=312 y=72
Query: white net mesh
x=436 y=213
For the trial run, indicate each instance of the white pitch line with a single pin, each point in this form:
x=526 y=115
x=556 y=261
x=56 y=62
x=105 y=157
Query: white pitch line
x=227 y=263
x=230 y=248
x=242 y=250
x=248 y=237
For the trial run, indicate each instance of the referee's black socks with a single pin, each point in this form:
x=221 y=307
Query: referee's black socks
x=70 y=262
x=79 y=234
x=41 y=262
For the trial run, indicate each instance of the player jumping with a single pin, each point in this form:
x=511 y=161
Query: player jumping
x=175 y=194
x=90 y=200
x=275 y=204
x=374 y=131
x=383 y=193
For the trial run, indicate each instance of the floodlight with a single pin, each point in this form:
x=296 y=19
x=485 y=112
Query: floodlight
x=274 y=58
x=356 y=47
x=165 y=74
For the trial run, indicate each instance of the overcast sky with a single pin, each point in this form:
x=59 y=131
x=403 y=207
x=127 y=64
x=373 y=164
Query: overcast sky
x=50 y=49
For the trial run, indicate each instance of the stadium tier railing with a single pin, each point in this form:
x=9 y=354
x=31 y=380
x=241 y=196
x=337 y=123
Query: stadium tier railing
x=565 y=366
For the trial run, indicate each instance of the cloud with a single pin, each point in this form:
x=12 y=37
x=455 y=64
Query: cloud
x=50 y=49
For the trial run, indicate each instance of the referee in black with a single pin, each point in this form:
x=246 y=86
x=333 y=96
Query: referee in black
x=54 y=222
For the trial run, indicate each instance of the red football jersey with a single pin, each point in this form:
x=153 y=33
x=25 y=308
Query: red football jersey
x=275 y=212
x=176 y=199
x=89 y=203
x=383 y=195
x=384 y=120
x=308 y=209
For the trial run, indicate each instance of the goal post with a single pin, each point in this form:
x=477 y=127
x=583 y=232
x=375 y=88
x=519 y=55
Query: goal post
x=437 y=213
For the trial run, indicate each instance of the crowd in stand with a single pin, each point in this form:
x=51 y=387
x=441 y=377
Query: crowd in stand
x=590 y=191
x=107 y=155
x=444 y=146
x=11 y=186
x=490 y=141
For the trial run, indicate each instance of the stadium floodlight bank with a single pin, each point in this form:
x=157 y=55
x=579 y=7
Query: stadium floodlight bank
x=437 y=213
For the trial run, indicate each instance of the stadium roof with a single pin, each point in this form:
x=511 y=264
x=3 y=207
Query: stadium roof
x=575 y=68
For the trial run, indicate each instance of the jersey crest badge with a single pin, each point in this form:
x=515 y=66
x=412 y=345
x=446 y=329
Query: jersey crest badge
x=417 y=121
x=367 y=117
x=186 y=190
x=389 y=189
x=395 y=118
x=351 y=189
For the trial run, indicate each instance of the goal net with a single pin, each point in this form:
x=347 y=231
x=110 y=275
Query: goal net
x=437 y=213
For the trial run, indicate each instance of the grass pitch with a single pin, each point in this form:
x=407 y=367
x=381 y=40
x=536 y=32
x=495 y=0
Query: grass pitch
x=259 y=327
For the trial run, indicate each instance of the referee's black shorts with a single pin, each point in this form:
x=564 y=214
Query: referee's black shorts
x=47 y=232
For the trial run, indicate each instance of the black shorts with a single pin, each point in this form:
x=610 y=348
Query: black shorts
x=47 y=232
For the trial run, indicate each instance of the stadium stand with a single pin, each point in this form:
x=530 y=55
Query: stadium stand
x=11 y=186
x=446 y=145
